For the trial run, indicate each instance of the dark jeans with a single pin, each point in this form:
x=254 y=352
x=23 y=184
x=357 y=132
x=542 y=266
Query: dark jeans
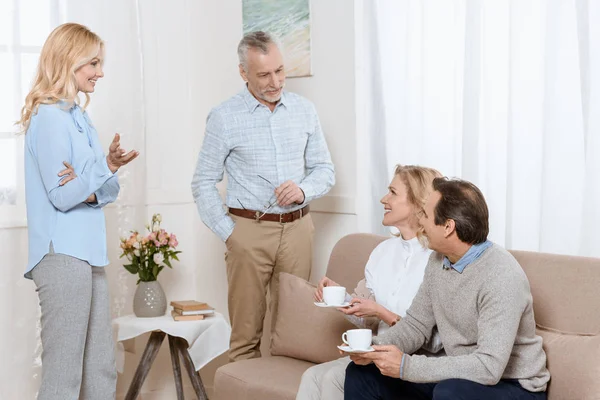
x=367 y=383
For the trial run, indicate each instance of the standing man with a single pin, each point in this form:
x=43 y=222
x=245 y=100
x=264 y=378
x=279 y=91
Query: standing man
x=270 y=143
x=478 y=296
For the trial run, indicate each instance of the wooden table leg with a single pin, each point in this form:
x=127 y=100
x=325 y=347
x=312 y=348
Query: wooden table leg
x=148 y=357
x=176 y=366
x=189 y=366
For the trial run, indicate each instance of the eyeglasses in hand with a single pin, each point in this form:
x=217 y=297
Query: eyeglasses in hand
x=269 y=204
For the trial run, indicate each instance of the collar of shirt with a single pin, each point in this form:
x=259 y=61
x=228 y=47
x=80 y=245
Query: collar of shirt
x=253 y=103
x=67 y=104
x=79 y=118
x=471 y=255
x=410 y=245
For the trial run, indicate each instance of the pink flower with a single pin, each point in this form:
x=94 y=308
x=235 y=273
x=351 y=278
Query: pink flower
x=130 y=242
x=162 y=235
x=145 y=248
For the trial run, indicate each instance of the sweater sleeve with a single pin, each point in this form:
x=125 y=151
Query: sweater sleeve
x=501 y=305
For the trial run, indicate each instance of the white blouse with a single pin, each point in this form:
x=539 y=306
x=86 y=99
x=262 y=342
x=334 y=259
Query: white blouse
x=394 y=273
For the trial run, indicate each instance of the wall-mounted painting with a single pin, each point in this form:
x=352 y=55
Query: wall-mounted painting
x=289 y=20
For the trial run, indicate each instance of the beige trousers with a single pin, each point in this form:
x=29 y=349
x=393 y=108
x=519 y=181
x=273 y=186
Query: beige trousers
x=324 y=381
x=256 y=253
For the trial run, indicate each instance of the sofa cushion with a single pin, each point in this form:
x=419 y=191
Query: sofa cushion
x=573 y=365
x=260 y=379
x=563 y=289
x=303 y=330
x=349 y=257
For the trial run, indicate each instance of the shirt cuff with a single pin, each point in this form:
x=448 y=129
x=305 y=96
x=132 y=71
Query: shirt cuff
x=304 y=200
x=97 y=204
x=102 y=198
x=308 y=191
x=402 y=366
x=224 y=228
x=106 y=169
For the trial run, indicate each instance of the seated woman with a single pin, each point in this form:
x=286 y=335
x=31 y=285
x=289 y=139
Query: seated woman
x=393 y=275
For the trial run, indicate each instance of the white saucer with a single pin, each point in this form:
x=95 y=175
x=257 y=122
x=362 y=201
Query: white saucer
x=348 y=349
x=323 y=304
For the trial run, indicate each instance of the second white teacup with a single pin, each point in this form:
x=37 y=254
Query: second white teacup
x=334 y=295
x=358 y=339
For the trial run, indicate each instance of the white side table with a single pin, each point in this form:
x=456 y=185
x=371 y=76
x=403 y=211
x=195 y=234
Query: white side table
x=196 y=342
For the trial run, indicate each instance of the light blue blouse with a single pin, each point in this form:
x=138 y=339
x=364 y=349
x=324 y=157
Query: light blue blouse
x=58 y=214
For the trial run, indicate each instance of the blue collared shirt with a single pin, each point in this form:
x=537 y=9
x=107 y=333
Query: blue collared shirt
x=58 y=214
x=471 y=255
x=246 y=139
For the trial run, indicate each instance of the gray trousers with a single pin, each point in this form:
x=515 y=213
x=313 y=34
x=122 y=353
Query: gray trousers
x=324 y=381
x=77 y=345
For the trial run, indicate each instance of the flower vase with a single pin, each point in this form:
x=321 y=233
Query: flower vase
x=149 y=300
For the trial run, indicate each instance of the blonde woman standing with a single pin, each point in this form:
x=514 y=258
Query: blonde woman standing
x=393 y=275
x=67 y=234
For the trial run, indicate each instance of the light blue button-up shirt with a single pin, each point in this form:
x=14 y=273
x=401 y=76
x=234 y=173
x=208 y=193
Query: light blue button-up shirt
x=246 y=139
x=474 y=252
x=58 y=214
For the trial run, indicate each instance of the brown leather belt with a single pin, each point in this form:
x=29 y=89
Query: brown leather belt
x=259 y=216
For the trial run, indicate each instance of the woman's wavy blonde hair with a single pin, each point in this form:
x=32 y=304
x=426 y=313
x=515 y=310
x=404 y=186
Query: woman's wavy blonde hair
x=69 y=47
x=419 y=184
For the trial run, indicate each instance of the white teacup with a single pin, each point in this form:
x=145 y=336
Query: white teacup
x=334 y=295
x=358 y=339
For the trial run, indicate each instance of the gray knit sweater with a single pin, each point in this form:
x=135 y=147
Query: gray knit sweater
x=485 y=321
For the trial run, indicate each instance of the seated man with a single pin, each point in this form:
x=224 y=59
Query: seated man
x=479 y=298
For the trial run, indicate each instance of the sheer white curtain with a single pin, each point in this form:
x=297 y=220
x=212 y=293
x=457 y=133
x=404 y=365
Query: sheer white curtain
x=505 y=94
x=117 y=106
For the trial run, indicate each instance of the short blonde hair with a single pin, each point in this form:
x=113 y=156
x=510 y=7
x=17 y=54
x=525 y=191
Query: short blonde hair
x=69 y=47
x=419 y=184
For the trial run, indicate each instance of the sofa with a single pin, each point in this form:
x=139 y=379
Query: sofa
x=566 y=301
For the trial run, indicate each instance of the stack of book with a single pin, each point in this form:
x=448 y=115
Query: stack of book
x=190 y=310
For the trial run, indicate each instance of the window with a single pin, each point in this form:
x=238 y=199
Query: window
x=24 y=26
